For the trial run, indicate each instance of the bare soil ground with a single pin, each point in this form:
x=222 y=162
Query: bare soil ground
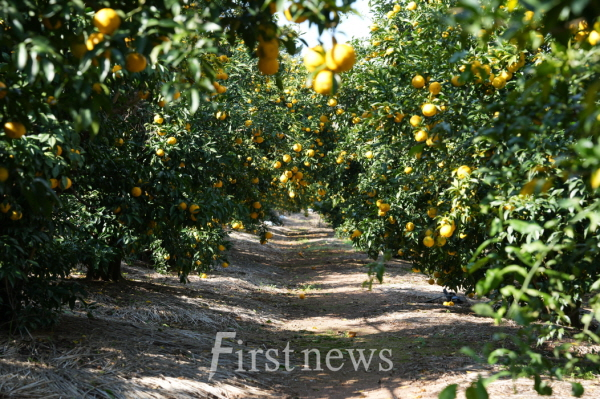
x=151 y=337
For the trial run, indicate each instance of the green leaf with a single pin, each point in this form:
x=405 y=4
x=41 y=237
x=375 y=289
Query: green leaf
x=525 y=227
x=576 y=389
x=477 y=390
x=449 y=392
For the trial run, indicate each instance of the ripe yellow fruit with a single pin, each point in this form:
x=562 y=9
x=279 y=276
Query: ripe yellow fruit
x=415 y=120
x=268 y=66
x=268 y=235
x=429 y=109
x=593 y=38
x=462 y=236
x=314 y=58
x=277 y=164
x=16 y=215
x=456 y=81
x=463 y=171
x=410 y=226
x=135 y=62
x=4 y=208
x=435 y=88
x=14 y=130
x=225 y=264
x=446 y=231
x=160 y=152
x=3 y=174
x=194 y=209
x=418 y=82
x=421 y=136
x=256 y=205
x=499 y=82
x=595 y=179
x=297 y=147
x=340 y=58
x=431 y=281
x=182 y=206
x=136 y=191
x=432 y=212
x=310 y=153
x=428 y=241
x=440 y=241
x=268 y=49
x=158 y=119
x=94 y=39
x=332 y=102
x=408 y=170
x=171 y=141
x=293 y=13
x=302 y=295
x=287 y=158
x=411 y=6
x=384 y=207
x=323 y=83
x=369 y=155
x=3 y=90
x=66 y=185
x=107 y=21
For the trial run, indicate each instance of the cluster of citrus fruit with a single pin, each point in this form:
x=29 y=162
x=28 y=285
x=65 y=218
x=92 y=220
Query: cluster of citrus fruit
x=326 y=65
x=268 y=54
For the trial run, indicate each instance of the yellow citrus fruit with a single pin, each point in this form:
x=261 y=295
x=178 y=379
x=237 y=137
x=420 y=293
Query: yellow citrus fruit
x=107 y=21
x=3 y=174
x=66 y=185
x=4 y=208
x=160 y=152
x=287 y=158
x=456 y=81
x=340 y=58
x=421 y=136
x=314 y=58
x=432 y=212
x=418 y=82
x=428 y=241
x=3 y=90
x=297 y=147
x=256 y=205
x=499 y=82
x=332 y=102
x=302 y=295
x=268 y=66
x=158 y=119
x=171 y=141
x=410 y=226
x=415 y=120
x=323 y=83
x=94 y=39
x=193 y=209
x=136 y=191
x=225 y=264
x=435 y=88
x=135 y=62
x=463 y=172
x=429 y=109
x=16 y=215
x=440 y=241
x=369 y=155
x=408 y=170
x=446 y=231
x=268 y=49
x=14 y=130
x=182 y=206
x=411 y=6
x=78 y=50
x=595 y=180
x=593 y=38
x=462 y=236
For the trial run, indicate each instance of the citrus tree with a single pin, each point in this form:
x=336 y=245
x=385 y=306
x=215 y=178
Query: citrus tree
x=476 y=164
x=121 y=139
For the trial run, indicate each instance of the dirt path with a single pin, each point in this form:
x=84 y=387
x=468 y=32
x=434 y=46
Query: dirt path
x=152 y=337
